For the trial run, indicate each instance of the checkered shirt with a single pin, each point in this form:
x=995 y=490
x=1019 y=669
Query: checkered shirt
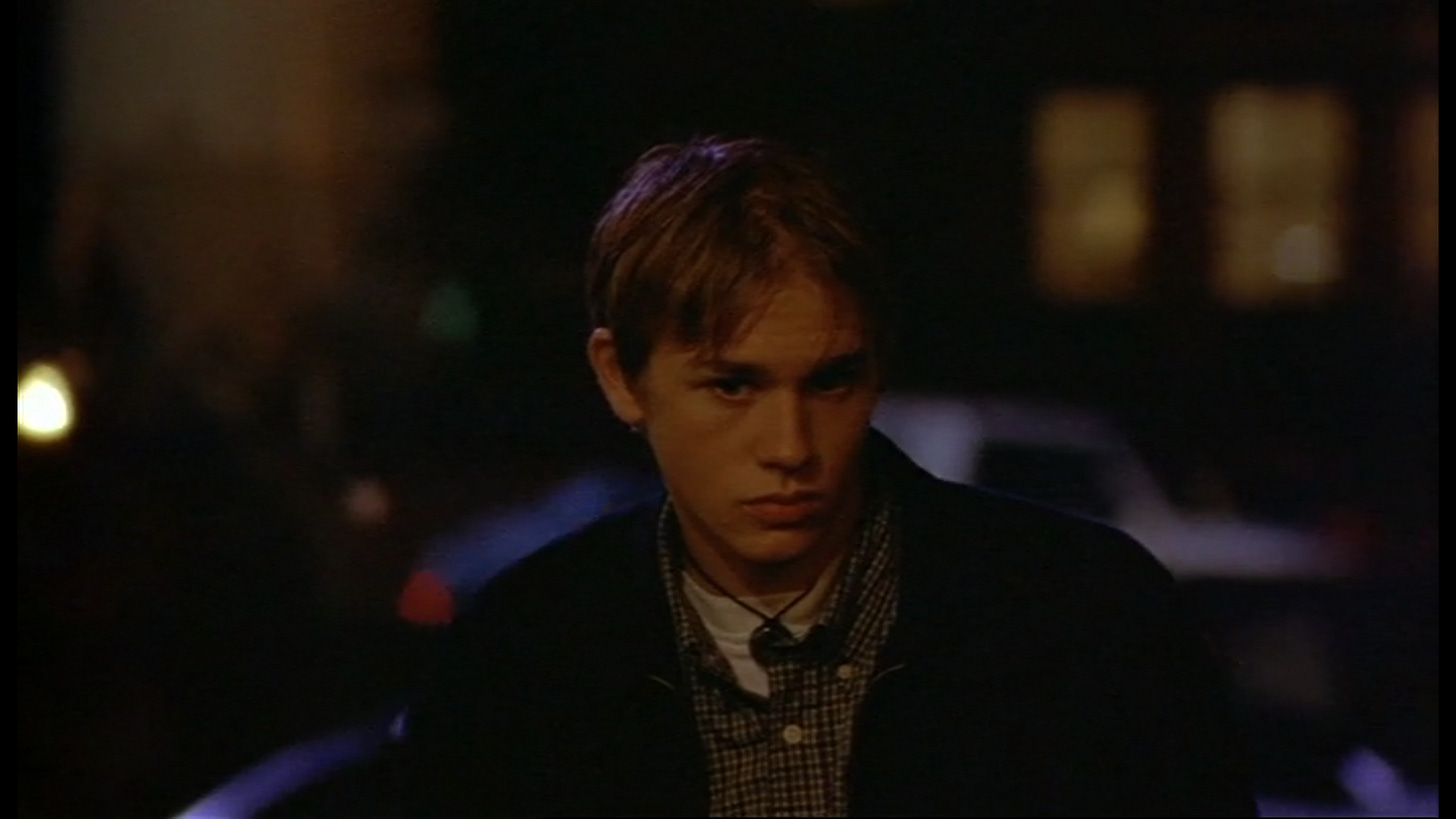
x=788 y=754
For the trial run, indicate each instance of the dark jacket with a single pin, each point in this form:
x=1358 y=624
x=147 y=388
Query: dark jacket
x=1040 y=664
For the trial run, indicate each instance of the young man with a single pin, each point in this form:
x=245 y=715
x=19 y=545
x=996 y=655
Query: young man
x=804 y=622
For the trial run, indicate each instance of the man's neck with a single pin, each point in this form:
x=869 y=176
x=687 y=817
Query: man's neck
x=758 y=580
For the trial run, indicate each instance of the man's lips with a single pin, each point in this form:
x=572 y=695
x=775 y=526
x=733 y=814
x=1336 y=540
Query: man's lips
x=785 y=509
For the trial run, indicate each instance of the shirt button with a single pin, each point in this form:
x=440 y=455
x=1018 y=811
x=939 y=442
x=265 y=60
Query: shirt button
x=846 y=671
x=793 y=734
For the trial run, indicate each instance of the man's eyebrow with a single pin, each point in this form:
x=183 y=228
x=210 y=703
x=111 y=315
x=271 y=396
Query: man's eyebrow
x=727 y=366
x=846 y=361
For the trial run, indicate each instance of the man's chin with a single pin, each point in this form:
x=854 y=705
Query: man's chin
x=779 y=547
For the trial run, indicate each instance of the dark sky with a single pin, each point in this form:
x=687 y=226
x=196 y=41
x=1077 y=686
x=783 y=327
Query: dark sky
x=552 y=100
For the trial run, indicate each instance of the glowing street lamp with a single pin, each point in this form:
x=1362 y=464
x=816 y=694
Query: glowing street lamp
x=45 y=405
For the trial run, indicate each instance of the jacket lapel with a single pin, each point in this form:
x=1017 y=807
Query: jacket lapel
x=649 y=760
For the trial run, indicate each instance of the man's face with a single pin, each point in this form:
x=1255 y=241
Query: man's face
x=759 y=443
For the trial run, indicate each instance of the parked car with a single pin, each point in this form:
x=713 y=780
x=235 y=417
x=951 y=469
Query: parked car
x=1078 y=458
x=1333 y=673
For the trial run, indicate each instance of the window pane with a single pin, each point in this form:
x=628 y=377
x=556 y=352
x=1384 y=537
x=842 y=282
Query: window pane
x=1090 y=160
x=1280 y=163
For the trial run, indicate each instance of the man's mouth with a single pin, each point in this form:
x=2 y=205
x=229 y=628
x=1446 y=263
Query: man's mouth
x=786 y=509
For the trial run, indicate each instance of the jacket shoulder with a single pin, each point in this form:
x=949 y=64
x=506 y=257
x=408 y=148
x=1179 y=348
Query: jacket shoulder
x=984 y=531
x=603 y=554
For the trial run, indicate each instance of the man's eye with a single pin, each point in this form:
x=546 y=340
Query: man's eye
x=730 y=387
x=837 y=381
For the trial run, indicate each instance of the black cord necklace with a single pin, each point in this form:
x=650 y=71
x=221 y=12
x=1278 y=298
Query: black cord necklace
x=771 y=633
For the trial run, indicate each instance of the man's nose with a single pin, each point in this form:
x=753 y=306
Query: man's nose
x=785 y=440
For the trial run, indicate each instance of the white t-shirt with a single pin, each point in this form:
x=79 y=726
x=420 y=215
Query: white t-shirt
x=732 y=626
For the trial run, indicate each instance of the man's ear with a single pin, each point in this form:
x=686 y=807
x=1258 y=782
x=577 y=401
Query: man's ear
x=601 y=352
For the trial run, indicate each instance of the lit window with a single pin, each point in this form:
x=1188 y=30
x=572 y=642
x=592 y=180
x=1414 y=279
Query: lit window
x=1090 y=162
x=1280 y=163
x=1422 y=190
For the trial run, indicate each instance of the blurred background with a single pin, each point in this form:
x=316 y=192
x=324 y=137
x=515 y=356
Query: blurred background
x=299 y=302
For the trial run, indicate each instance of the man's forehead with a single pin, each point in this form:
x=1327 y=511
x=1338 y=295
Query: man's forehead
x=849 y=349
x=764 y=343
x=803 y=317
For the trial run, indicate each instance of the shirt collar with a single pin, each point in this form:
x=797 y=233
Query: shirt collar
x=840 y=633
